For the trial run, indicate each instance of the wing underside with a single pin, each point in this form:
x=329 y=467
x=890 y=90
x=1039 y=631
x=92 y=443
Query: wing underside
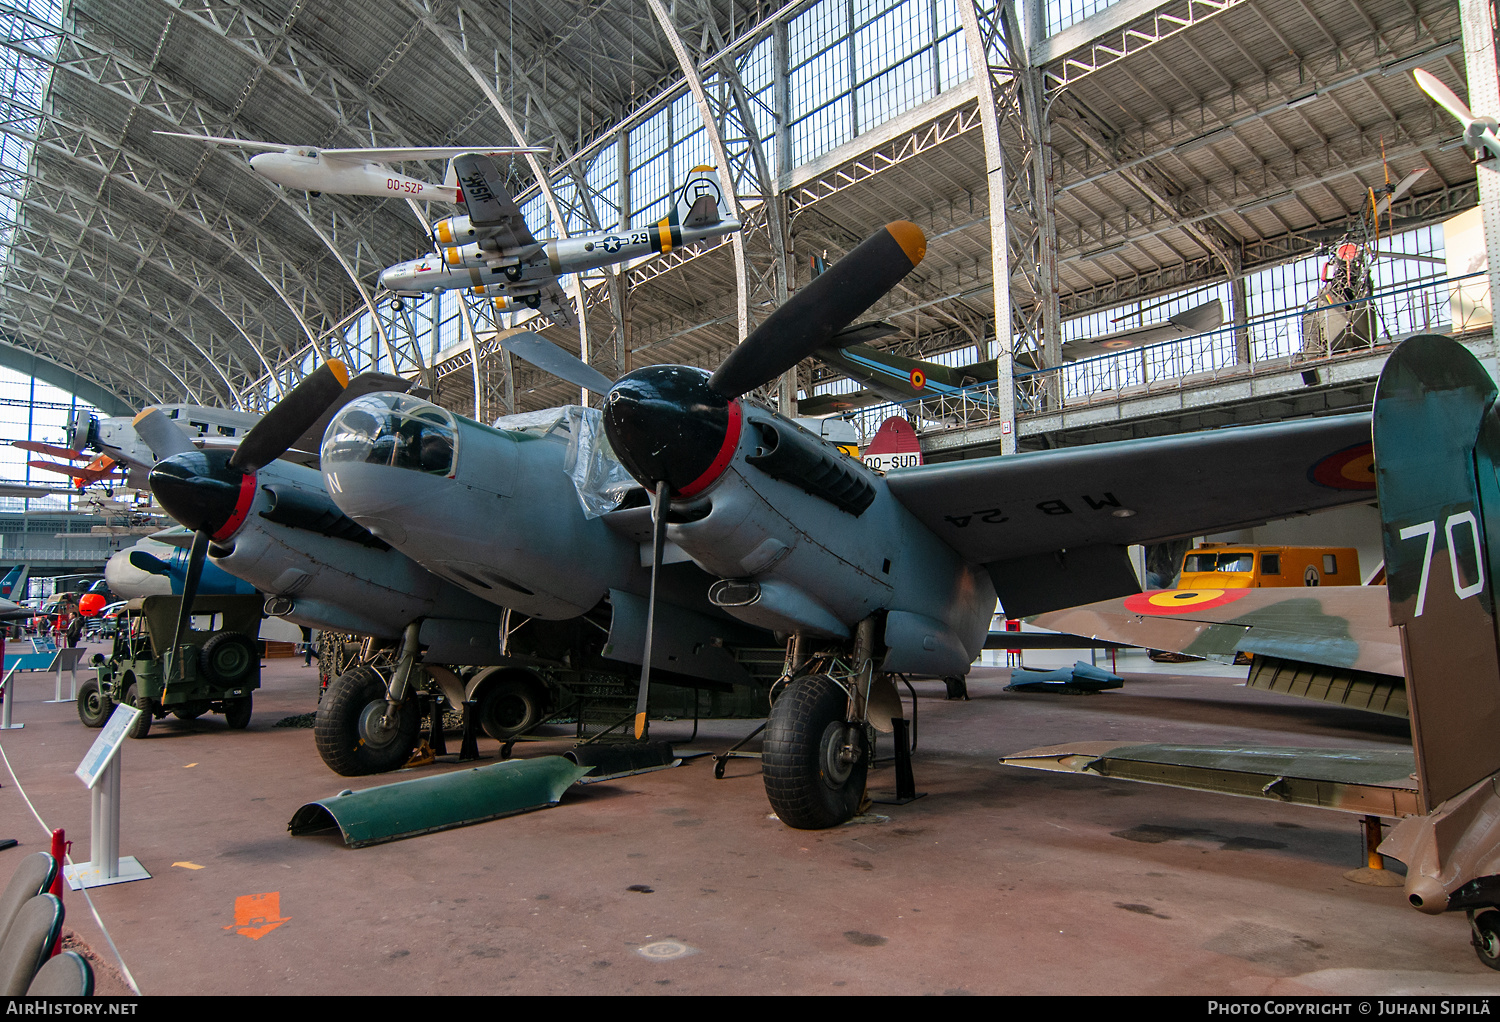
x=1372 y=782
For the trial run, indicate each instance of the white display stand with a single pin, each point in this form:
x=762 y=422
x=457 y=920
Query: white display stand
x=7 y=686
x=100 y=772
x=66 y=660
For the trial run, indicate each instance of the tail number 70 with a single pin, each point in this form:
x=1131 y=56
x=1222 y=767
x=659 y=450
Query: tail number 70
x=1428 y=530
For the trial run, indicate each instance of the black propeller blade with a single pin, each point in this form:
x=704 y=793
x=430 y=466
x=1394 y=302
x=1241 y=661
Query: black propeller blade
x=658 y=539
x=680 y=425
x=811 y=317
x=274 y=434
x=161 y=435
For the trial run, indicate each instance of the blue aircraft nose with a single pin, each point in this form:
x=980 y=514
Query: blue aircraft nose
x=666 y=423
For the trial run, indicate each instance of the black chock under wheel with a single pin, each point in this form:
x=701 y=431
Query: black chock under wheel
x=469 y=750
x=622 y=759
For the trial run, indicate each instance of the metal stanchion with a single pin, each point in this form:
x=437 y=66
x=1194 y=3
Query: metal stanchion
x=66 y=659
x=100 y=770
x=7 y=699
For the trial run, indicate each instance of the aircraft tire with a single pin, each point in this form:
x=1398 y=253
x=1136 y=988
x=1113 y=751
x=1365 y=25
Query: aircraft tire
x=347 y=728
x=1486 y=938
x=237 y=712
x=511 y=705
x=94 y=707
x=142 y=726
x=807 y=787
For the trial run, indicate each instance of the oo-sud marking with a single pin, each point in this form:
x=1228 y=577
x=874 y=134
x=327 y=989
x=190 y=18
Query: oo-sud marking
x=1352 y=468
x=1161 y=602
x=241 y=508
x=721 y=460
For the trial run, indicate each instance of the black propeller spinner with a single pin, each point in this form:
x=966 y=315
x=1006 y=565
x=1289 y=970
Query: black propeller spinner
x=211 y=491
x=675 y=428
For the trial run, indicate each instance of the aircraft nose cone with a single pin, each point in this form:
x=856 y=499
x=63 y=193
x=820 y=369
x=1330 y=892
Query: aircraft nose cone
x=667 y=423
x=200 y=490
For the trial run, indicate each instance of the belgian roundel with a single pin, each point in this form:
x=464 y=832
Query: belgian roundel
x=1353 y=468
x=918 y=379
x=1180 y=601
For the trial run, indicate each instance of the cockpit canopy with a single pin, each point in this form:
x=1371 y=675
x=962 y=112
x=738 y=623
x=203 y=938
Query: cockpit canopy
x=395 y=430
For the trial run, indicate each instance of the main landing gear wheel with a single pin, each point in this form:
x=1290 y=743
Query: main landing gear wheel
x=532 y=301
x=1486 y=938
x=94 y=707
x=349 y=729
x=509 y=707
x=513 y=273
x=813 y=762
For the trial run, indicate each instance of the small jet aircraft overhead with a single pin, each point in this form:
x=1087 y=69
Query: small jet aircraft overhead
x=351 y=171
x=1436 y=430
x=491 y=249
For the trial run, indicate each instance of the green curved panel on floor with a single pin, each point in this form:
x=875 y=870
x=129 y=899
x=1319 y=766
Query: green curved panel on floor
x=439 y=802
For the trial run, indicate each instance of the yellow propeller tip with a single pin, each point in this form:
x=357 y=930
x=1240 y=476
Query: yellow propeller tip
x=640 y=725
x=911 y=239
x=340 y=371
x=143 y=413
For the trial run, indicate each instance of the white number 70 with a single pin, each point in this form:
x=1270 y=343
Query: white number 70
x=1429 y=530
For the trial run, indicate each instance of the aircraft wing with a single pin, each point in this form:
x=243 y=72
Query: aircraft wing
x=490 y=206
x=448 y=153
x=555 y=304
x=1370 y=782
x=1336 y=626
x=1052 y=526
x=1197 y=320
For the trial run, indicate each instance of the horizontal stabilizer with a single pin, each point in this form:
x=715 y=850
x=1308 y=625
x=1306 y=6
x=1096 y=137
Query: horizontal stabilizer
x=1373 y=782
x=704 y=212
x=861 y=333
x=1047 y=640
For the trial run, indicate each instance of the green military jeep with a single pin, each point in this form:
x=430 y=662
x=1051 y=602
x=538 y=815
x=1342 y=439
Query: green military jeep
x=217 y=667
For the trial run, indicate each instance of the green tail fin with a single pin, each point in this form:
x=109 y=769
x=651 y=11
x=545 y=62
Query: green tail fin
x=1436 y=437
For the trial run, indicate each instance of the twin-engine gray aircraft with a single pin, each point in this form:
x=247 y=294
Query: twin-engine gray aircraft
x=268 y=520
x=350 y=171
x=491 y=249
x=862 y=576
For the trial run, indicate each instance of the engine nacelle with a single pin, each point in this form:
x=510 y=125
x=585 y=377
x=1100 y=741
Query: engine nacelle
x=870 y=555
x=453 y=230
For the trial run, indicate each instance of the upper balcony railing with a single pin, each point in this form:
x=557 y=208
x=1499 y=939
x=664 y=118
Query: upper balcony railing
x=1302 y=340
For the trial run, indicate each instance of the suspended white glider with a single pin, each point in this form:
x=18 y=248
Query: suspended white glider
x=351 y=171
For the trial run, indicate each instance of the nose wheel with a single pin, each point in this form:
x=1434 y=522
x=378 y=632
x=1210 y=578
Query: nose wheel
x=814 y=761
x=353 y=730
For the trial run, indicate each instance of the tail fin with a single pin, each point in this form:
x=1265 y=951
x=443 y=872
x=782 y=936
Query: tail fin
x=700 y=202
x=8 y=583
x=1436 y=444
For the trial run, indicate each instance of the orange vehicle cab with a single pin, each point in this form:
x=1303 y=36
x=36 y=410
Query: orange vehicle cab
x=1232 y=566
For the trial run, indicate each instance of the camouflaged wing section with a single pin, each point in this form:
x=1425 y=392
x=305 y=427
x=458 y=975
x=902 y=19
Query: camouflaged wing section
x=1336 y=626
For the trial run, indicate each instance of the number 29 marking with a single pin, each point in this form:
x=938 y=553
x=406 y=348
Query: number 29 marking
x=1428 y=530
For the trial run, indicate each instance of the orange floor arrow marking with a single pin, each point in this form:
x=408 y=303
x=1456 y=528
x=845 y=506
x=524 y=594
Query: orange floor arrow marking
x=256 y=915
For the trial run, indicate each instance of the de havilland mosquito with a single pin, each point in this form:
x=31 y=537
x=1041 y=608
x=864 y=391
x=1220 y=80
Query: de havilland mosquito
x=491 y=249
x=861 y=576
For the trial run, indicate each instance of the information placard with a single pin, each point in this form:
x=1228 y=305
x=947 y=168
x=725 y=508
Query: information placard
x=105 y=745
